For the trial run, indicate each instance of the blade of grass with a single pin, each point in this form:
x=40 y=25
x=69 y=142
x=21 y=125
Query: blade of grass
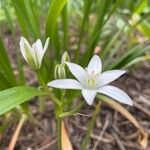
x=5 y=65
x=90 y=126
x=137 y=60
x=102 y=10
x=32 y=17
x=86 y=12
x=54 y=12
x=21 y=77
x=8 y=16
x=106 y=49
x=105 y=8
x=4 y=82
x=65 y=27
x=129 y=56
x=26 y=17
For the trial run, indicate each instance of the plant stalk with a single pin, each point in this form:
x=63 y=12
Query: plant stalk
x=90 y=126
x=16 y=133
x=59 y=121
x=42 y=83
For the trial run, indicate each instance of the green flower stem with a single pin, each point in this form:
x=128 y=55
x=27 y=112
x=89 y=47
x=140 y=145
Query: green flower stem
x=74 y=111
x=90 y=127
x=42 y=83
x=59 y=120
x=54 y=99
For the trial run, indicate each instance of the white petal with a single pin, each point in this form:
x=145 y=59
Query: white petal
x=109 y=76
x=46 y=44
x=37 y=52
x=95 y=65
x=116 y=94
x=77 y=71
x=65 y=84
x=22 y=43
x=89 y=95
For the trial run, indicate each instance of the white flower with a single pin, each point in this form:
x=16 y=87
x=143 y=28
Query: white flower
x=33 y=54
x=91 y=81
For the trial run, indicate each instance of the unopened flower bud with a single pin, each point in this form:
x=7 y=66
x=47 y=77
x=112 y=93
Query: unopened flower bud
x=56 y=72
x=33 y=54
x=59 y=72
x=65 y=57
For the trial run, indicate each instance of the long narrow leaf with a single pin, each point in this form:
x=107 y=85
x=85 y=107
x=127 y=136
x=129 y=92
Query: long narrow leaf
x=26 y=17
x=12 y=97
x=87 y=6
x=54 y=12
x=5 y=66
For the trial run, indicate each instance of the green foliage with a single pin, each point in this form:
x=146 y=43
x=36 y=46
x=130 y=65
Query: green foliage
x=114 y=27
x=51 y=23
x=12 y=97
x=92 y=24
x=7 y=78
x=26 y=17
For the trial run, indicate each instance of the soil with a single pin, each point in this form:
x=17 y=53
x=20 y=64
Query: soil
x=112 y=131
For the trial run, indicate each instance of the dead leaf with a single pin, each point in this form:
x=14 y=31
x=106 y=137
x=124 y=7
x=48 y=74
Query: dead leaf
x=143 y=136
x=66 y=144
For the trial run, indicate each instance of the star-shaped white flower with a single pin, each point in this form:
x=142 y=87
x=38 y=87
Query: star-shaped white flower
x=91 y=81
x=33 y=54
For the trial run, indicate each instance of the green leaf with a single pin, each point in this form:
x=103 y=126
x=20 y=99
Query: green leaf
x=26 y=17
x=105 y=8
x=65 y=27
x=55 y=9
x=130 y=55
x=12 y=97
x=5 y=66
x=54 y=12
x=86 y=13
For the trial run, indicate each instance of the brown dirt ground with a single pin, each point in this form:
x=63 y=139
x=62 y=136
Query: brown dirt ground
x=115 y=131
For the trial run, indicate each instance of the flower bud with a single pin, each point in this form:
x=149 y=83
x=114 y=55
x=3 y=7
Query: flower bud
x=59 y=72
x=65 y=57
x=33 y=54
x=56 y=72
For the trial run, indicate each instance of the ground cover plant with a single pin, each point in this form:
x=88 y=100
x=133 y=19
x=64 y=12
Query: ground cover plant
x=57 y=61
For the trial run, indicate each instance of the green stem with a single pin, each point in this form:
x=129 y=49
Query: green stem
x=90 y=127
x=72 y=112
x=42 y=83
x=54 y=99
x=40 y=78
x=59 y=120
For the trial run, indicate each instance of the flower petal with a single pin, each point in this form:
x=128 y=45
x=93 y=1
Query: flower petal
x=116 y=94
x=24 y=47
x=46 y=44
x=109 y=76
x=95 y=65
x=39 y=53
x=77 y=71
x=65 y=84
x=89 y=95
